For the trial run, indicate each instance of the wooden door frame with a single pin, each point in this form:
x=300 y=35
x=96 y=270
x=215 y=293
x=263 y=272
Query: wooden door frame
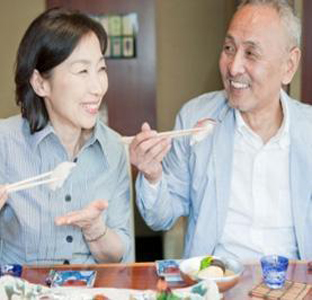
x=306 y=76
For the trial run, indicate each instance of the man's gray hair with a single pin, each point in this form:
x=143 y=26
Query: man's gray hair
x=287 y=15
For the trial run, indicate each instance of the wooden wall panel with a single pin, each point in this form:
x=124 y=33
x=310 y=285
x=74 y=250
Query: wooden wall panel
x=131 y=97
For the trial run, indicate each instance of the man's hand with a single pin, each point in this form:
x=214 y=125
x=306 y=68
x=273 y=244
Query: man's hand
x=147 y=153
x=3 y=195
x=89 y=219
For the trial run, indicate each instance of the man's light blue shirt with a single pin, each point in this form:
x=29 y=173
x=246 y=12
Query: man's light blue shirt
x=197 y=179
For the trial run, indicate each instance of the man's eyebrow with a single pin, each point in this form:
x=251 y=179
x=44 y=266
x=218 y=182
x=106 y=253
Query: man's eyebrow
x=252 y=44
x=229 y=37
x=249 y=43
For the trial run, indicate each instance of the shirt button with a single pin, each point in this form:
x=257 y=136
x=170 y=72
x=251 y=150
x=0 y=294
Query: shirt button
x=66 y=262
x=68 y=198
x=69 y=239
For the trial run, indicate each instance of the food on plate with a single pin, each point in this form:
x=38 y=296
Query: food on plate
x=100 y=297
x=204 y=290
x=211 y=267
x=164 y=292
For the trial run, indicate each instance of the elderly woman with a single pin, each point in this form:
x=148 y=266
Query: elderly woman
x=60 y=80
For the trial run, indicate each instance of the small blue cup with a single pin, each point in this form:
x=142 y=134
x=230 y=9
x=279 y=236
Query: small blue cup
x=11 y=269
x=274 y=269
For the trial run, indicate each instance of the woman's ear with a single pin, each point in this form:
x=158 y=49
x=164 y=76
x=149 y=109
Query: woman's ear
x=39 y=84
x=291 y=65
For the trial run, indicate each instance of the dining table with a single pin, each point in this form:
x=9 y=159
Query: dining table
x=143 y=275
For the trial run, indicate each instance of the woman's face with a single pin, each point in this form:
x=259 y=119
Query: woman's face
x=75 y=88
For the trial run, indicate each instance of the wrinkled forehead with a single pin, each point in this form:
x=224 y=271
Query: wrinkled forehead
x=259 y=24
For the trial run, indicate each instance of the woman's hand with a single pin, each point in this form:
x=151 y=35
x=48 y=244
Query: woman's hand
x=3 y=195
x=89 y=219
x=95 y=232
x=147 y=153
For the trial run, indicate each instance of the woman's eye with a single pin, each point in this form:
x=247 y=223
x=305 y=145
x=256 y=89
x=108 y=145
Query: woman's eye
x=83 y=71
x=103 y=68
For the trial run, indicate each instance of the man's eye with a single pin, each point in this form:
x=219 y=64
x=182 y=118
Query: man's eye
x=250 y=54
x=103 y=68
x=228 y=49
x=83 y=71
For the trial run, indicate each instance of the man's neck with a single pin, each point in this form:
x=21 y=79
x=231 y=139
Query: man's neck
x=265 y=123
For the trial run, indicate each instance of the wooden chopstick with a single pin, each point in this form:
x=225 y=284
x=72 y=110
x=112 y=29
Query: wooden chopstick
x=31 y=179
x=173 y=134
x=60 y=173
x=14 y=187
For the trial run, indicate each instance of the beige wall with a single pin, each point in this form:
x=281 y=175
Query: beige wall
x=15 y=16
x=189 y=37
x=295 y=87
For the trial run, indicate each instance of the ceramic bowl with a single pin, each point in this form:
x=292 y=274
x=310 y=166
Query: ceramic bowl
x=189 y=269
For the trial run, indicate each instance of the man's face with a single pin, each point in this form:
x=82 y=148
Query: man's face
x=254 y=59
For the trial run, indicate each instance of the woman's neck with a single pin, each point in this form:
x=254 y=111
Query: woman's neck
x=72 y=139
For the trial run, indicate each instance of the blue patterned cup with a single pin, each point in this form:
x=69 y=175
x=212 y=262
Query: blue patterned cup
x=11 y=269
x=274 y=269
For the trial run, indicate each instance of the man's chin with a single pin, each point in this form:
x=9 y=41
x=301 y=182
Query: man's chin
x=234 y=102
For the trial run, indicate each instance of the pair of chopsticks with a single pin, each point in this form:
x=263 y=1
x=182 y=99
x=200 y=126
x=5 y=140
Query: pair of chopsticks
x=31 y=182
x=54 y=178
x=170 y=134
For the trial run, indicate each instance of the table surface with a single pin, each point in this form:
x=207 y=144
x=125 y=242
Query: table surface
x=143 y=276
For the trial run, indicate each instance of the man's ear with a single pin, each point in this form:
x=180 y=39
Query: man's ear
x=291 y=65
x=39 y=84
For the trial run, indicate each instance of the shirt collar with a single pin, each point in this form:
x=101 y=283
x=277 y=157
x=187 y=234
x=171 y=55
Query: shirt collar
x=99 y=135
x=39 y=136
x=282 y=136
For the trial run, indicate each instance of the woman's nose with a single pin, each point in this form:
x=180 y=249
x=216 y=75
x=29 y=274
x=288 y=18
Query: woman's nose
x=98 y=85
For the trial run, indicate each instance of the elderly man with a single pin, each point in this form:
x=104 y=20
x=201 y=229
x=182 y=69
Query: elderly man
x=246 y=187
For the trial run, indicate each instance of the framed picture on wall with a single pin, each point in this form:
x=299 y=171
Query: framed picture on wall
x=122 y=31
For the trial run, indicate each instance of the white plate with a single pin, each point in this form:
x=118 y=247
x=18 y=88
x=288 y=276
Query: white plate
x=189 y=269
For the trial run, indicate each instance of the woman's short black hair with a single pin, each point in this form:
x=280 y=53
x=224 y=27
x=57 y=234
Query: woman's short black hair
x=48 y=41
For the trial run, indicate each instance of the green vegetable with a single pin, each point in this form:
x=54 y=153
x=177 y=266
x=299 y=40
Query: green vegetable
x=167 y=296
x=205 y=262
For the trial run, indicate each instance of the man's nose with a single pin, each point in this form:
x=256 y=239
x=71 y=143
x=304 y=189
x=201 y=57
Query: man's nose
x=237 y=64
